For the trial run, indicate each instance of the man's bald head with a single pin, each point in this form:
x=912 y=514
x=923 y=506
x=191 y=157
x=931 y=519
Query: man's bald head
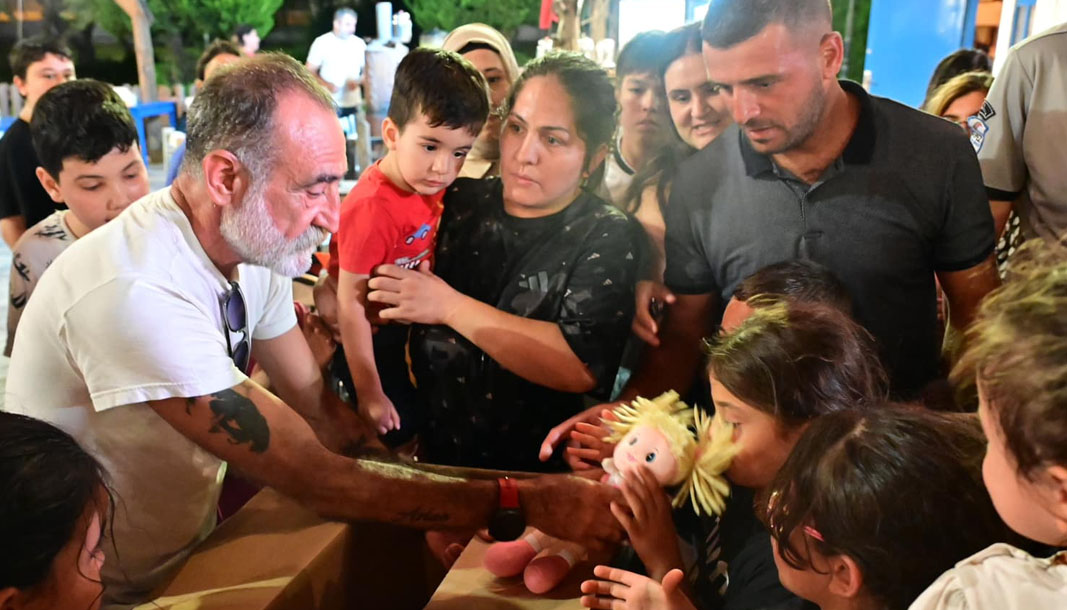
x=730 y=22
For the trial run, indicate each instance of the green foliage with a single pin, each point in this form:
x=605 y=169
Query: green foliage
x=181 y=28
x=104 y=13
x=504 y=15
x=196 y=20
x=857 y=52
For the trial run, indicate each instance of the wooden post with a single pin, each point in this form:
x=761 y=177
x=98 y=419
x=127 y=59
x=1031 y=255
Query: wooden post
x=569 y=25
x=141 y=20
x=599 y=13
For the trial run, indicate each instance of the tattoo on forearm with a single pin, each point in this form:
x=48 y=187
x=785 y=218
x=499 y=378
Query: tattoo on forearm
x=421 y=515
x=238 y=416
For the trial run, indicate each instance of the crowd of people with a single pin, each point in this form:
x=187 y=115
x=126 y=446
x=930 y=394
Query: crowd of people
x=815 y=267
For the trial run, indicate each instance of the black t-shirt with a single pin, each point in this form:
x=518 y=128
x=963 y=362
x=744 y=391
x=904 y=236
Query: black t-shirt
x=903 y=201
x=21 y=192
x=576 y=268
x=735 y=567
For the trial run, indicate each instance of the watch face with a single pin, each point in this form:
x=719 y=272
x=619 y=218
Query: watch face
x=507 y=524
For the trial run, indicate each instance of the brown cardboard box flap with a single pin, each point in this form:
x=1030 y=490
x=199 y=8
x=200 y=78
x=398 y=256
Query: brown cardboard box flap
x=273 y=554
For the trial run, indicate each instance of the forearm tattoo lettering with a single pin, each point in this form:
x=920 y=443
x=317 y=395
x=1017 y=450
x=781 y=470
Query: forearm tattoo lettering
x=422 y=516
x=238 y=417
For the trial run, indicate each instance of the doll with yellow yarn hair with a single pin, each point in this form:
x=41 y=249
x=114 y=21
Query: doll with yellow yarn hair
x=659 y=434
x=675 y=444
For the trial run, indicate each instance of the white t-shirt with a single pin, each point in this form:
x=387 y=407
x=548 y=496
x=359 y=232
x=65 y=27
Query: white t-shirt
x=32 y=254
x=617 y=178
x=338 y=60
x=127 y=314
x=1001 y=577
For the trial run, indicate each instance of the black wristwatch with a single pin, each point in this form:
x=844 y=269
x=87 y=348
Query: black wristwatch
x=508 y=522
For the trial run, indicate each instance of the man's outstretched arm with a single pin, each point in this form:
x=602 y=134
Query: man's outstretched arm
x=265 y=439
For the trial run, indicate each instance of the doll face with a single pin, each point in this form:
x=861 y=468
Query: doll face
x=646 y=445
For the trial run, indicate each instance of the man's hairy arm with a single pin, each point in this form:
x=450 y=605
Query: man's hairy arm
x=263 y=438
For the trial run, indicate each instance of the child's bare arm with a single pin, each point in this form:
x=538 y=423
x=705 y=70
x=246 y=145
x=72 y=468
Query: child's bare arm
x=356 y=338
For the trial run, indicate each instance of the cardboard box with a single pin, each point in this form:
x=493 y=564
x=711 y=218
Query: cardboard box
x=274 y=554
x=468 y=586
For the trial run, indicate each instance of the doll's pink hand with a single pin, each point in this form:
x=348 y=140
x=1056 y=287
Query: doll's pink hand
x=622 y=590
x=648 y=522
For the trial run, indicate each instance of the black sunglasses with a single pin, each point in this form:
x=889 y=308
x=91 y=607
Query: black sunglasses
x=235 y=316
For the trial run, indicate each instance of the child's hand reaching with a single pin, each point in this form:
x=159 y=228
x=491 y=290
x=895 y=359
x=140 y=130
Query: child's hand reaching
x=648 y=521
x=380 y=413
x=622 y=590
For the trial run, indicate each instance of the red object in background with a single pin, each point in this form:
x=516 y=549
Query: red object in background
x=548 y=16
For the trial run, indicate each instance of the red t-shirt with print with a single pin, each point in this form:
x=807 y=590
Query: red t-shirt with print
x=382 y=224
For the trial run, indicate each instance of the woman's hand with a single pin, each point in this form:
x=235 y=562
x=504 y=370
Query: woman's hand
x=648 y=522
x=622 y=590
x=651 y=299
x=413 y=296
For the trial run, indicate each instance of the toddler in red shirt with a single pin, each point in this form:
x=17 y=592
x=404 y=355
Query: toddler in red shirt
x=439 y=104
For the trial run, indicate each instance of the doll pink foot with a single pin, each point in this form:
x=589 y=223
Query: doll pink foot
x=506 y=559
x=545 y=573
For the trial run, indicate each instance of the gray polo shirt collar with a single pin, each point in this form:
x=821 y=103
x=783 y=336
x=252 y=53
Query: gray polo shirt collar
x=858 y=151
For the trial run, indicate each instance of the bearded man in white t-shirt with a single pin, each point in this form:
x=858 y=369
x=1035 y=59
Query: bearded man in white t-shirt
x=131 y=340
x=337 y=59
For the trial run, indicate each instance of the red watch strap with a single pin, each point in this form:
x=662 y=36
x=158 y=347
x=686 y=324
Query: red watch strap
x=509 y=493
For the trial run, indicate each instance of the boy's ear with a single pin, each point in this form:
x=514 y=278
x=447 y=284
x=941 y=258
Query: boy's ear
x=20 y=85
x=9 y=596
x=390 y=133
x=51 y=186
x=846 y=578
x=1058 y=478
x=226 y=178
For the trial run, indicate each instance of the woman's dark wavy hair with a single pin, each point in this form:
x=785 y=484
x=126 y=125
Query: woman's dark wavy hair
x=592 y=98
x=660 y=168
x=896 y=488
x=48 y=482
x=796 y=361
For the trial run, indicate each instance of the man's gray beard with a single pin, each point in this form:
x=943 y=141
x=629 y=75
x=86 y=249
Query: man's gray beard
x=250 y=232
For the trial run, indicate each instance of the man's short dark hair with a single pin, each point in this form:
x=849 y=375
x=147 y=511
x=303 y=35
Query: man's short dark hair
x=213 y=50
x=84 y=119
x=797 y=281
x=345 y=11
x=730 y=22
x=448 y=89
x=644 y=54
x=30 y=50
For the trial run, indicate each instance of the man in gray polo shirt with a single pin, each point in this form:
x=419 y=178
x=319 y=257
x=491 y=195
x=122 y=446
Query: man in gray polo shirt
x=883 y=195
x=1021 y=136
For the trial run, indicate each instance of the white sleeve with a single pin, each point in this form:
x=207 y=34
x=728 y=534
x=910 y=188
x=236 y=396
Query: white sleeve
x=18 y=291
x=946 y=593
x=27 y=264
x=998 y=132
x=134 y=341
x=315 y=53
x=279 y=315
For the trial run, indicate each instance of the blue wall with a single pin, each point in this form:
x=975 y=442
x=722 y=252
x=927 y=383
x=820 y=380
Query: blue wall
x=907 y=38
